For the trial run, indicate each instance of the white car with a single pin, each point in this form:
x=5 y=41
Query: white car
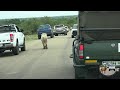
x=74 y=30
x=60 y=25
x=59 y=29
x=11 y=38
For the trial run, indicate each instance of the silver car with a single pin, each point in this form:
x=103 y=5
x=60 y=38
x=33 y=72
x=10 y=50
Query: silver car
x=60 y=30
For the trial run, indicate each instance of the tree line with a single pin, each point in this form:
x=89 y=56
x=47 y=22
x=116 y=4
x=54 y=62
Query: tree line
x=30 y=25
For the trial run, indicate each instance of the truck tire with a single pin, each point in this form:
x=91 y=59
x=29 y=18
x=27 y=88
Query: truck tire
x=15 y=50
x=24 y=47
x=39 y=36
x=77 y=76
x=1 y=51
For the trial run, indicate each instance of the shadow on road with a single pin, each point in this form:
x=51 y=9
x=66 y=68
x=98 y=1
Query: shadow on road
x=6 y=54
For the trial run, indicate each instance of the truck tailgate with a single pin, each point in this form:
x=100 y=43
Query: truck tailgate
x=105 y=50
x=4 y=37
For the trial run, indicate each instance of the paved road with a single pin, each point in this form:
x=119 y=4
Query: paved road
x=36 y=63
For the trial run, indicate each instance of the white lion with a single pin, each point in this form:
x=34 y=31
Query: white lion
x=44 y=40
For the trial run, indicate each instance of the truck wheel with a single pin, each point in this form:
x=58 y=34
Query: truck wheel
x=39 y=36
x=24 y=47
x=77 y=77
x=15 y=50
x=78 y=73
x=1 y=51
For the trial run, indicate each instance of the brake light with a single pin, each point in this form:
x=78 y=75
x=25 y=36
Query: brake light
x=81 y=47
x=11 y=37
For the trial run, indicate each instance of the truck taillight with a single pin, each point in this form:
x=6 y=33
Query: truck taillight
x=81 y=47
x=11 y=37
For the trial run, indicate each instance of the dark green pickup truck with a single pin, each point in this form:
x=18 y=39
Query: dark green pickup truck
x=96 y=49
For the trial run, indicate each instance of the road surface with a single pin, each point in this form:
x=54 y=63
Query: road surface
x=37 y=63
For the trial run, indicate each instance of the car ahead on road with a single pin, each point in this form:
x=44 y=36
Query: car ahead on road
x=74 y=30
x=11 y=38
x=96 y=49
x=59 y=29
x=45 y=29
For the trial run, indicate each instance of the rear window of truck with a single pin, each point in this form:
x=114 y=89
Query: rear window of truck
x=6 y=29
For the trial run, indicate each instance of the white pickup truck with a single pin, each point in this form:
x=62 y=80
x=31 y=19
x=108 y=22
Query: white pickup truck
x=11 y=38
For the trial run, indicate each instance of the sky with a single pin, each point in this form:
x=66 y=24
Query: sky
x=28 y=14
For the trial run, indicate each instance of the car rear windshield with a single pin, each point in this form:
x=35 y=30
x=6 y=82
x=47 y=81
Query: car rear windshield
x=44 y=26
x=58 y=26
x=75 y=26
x=101 y=25
x=6 y=29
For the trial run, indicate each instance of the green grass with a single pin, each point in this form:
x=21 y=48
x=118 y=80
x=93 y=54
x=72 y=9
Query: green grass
x=31 y=37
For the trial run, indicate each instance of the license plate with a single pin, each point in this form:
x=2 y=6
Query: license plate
x=111 y=63
x=111 y=67
x=1 y=45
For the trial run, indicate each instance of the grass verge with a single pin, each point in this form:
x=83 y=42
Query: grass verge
x=31 y=37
